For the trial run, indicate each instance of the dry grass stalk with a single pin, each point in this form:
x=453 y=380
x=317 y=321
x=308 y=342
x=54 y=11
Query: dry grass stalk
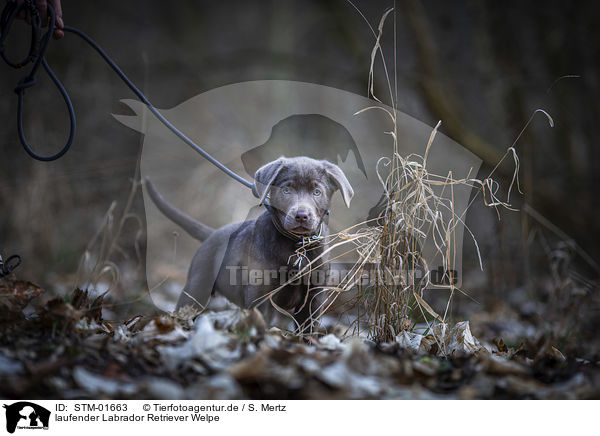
x=418 y=210
x=96 y=262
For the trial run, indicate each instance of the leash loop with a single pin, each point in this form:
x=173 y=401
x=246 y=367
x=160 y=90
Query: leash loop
x=37 y=51
x=28 y=82
x=7 y=18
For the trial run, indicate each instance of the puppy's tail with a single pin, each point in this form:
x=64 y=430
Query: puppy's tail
x=194 y=228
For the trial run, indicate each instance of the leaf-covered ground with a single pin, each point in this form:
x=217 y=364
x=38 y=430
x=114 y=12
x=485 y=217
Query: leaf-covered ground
x=63 y=348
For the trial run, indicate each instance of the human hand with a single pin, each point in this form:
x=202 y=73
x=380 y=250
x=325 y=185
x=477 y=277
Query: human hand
x=42 y=7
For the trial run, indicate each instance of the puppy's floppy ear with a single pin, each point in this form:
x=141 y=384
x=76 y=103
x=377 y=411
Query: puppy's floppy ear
x=265 y=176
x=340 y=181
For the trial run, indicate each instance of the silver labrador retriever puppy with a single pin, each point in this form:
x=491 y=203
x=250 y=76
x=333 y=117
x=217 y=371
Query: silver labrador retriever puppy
x=246 y=261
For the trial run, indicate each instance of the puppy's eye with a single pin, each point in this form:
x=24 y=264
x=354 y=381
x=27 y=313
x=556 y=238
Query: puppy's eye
x=317 y=192
x=287 y=190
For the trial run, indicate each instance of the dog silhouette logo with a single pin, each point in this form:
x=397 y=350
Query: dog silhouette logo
x=246 y=125
x=26 y=415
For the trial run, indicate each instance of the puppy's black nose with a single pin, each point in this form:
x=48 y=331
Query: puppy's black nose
x=301 y=217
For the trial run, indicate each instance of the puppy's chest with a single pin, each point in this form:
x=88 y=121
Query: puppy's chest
x=301 y=270
x=277 y=262
x=296 y=255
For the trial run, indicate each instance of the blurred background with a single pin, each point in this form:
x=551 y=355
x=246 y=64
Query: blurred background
x=481 y=67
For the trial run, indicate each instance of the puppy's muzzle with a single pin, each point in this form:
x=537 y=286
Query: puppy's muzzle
x=301 y=219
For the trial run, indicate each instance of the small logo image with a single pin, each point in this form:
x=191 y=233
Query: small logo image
x=26 y=415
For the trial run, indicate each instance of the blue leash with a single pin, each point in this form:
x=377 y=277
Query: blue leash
x=39 y=45
x=36 y=55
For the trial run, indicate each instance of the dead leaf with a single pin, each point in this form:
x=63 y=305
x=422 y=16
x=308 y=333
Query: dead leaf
x=15 y=295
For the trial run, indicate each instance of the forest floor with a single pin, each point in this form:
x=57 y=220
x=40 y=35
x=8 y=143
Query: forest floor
x=53 y=347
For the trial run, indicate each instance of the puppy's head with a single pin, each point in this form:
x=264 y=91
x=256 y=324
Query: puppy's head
x=299 y=190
